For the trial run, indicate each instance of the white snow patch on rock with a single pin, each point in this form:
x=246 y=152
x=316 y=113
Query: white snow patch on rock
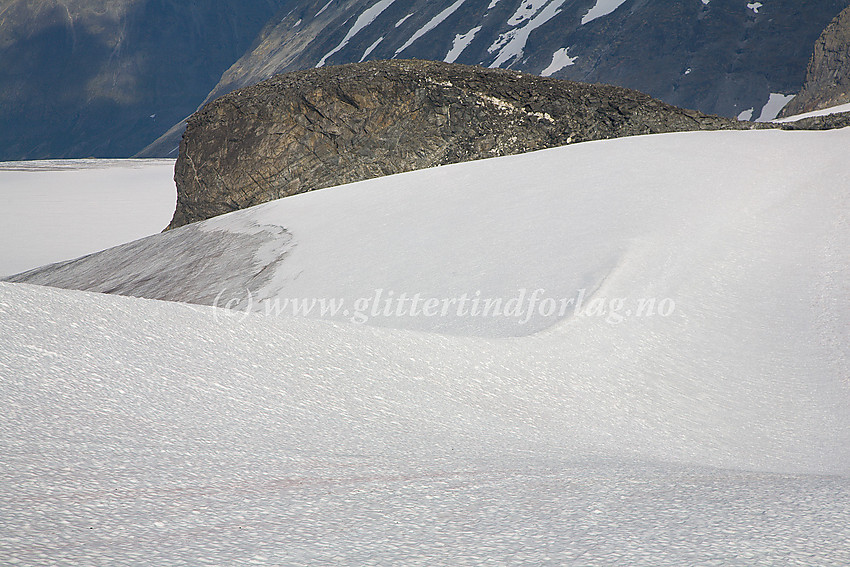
x=601 y=8
x=325 y=7
x=433 y=23
x=746 y=115
x=774 y=106
x=367 y=17
x=460 y=43
x=525 y=11
x=510 y=45
x=560 y=59
x=371 y=48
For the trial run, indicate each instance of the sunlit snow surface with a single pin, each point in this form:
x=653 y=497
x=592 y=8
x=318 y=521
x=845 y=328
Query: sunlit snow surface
x=59 y=210
x=144 y=432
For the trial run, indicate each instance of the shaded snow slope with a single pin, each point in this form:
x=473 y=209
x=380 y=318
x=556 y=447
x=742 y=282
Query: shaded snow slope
x=57 y=210
x=137 y=431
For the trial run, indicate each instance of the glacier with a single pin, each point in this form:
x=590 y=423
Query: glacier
x=139 y=431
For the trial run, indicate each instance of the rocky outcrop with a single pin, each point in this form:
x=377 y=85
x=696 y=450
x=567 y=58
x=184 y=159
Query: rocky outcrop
x=828 y=76
x=313 y=129
x=828 y=122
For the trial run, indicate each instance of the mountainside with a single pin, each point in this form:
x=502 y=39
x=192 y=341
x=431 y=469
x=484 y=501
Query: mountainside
x=116 y=78
x=313 y=129
x=103 y=78
x=727 y=57
x=828 y=76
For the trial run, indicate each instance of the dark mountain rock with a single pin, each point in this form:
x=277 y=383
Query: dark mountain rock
x=83 y=78
x=322 y=127
x=720 y=57
x=828 y=76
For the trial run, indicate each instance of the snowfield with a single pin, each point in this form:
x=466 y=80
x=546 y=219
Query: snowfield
x=140 y=431
x=62 y=209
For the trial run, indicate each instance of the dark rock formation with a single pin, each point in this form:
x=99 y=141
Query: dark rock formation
x=828 y=77
x=313 y=129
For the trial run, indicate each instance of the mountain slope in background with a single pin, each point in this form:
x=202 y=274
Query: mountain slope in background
x=726 y=57
x=828 y=75
x=103 y=78
x=109 y=78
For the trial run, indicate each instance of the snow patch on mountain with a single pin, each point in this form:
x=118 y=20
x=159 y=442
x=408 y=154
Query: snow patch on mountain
x=601 y=8
x=823 y=112
x=746 y=115
x=774 y=106
x=371 y=48
x=433 y=23
x=560 y=59
x=460 y=43
x=367 y=17
x=525 y=11
x=510 y=45
x=325 y=7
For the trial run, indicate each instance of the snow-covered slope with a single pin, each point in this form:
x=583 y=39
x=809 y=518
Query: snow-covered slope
x=141 y=432
x=696 y=218
x=714 y=430
x=57 y=210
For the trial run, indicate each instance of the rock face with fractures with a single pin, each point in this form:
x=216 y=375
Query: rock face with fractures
x=323 y=127
x=828 y=77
